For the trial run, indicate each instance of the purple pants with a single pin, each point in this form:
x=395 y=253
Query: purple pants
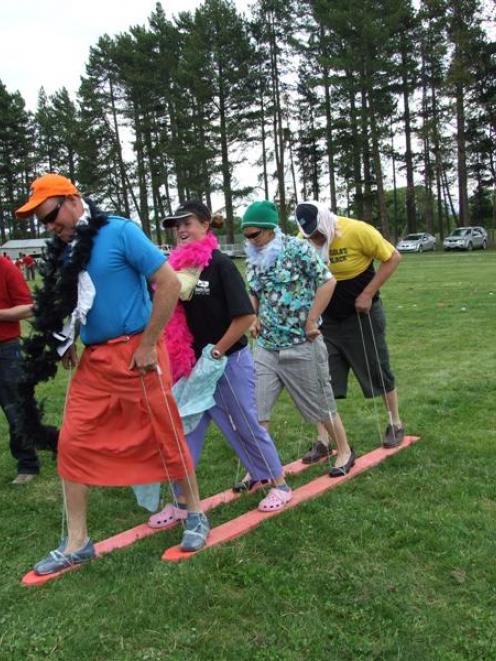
x=235 y=414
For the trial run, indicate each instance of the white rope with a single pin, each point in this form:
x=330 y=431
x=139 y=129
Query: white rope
x=251 y=344
x=331 y=419
x=238 y=464
x=158 y=371
x=299 y=430
x=390 y=413
x=65 y=513
x=376 y=413
x=257 y=444
x=164 y=463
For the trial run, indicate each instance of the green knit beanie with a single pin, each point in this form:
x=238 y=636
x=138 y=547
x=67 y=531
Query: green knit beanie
x=261 y=214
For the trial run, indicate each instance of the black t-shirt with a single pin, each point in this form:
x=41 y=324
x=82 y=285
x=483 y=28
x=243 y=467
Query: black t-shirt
x=342 y=303
x=219 y=296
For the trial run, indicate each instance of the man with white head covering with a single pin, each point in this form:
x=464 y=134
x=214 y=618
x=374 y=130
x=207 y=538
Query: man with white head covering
x=353 y=342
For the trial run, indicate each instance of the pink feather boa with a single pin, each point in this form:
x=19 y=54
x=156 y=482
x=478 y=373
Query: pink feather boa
x=177 y=336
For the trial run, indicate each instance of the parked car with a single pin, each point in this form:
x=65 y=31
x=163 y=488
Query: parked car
x=233 y=250
x=417 y=242
x=466 y=238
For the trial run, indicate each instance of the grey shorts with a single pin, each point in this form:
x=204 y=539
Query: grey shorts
x=346 y=351
x=303 y=370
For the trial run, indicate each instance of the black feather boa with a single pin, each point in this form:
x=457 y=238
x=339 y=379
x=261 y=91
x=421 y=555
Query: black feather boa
x=53 y=303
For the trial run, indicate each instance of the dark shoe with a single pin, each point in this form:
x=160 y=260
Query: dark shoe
x=345 y=469
x=394 y=436
x=317 y=452
x=248 y=485
x=196 y=529
x=57 y=560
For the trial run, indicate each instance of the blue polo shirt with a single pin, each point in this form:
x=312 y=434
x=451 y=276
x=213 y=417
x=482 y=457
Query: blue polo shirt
x=122 y=260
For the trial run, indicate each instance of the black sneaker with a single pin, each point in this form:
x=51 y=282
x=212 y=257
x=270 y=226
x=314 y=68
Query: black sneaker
x=393 y=436
x=345 y=469
x=317 y=452
x=248 y=485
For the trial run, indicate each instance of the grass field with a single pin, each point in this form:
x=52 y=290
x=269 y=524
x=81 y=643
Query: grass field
x=398 y=563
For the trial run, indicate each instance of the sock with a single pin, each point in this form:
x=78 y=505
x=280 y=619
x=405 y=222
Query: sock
x=182 y=506
x=283 y=487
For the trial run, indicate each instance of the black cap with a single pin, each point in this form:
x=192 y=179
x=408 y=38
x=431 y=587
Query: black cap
x=307 y=217
x=189 y=208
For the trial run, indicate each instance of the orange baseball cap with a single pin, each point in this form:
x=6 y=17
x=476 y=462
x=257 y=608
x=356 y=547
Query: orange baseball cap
x=48 y=185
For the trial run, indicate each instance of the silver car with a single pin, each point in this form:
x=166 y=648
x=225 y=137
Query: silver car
x=417 y=243
x=466 y=238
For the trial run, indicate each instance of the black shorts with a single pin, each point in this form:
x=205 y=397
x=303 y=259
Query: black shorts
x=347 y=349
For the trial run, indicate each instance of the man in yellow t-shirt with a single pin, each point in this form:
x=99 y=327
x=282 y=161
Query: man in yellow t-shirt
x=350 y=248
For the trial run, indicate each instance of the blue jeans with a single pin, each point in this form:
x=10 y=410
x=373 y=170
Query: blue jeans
x=10 y=369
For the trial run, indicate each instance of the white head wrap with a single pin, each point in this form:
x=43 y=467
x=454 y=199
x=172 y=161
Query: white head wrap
x=326 y=225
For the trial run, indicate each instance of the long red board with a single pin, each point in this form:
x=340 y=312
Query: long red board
x=246 y=522
x=128 y=537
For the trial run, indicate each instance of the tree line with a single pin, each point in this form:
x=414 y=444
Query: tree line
x=324 y=98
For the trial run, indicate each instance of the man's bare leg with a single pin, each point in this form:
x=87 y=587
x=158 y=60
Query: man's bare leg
x=190 y=492
x=76 y=495
x=322 y=434
x=391 y=403
x=335 y=430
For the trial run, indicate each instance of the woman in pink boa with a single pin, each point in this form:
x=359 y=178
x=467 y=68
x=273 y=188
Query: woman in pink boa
x=214 y=308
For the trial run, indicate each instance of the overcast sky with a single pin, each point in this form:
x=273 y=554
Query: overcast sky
x=46 y=42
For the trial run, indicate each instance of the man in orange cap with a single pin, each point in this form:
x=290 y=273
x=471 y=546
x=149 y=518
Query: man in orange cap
x=121 y=424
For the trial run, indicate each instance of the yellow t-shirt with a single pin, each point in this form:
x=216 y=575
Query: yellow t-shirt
x=352 y=253
x=355 y=246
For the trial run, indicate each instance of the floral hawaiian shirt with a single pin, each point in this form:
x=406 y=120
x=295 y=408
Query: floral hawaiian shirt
x=285 y=293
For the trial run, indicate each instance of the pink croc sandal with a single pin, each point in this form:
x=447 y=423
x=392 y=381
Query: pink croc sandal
x=275 y=500
x=166 y=517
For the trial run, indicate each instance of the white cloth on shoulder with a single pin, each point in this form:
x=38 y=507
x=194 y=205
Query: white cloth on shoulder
x=86 y=296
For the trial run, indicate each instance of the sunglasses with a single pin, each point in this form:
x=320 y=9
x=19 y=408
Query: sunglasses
x=51 y=216
x=253 y=235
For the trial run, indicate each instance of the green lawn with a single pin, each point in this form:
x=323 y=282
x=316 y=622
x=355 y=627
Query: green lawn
x=398 y=563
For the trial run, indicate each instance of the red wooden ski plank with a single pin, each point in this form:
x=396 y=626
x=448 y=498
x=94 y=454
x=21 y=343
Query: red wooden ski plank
x=246 y=522
x=228 y=496
x=31 y=578
x=141 y=531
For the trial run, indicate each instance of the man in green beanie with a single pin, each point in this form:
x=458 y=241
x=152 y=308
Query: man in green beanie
x=262 y=214
x=290 y=286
